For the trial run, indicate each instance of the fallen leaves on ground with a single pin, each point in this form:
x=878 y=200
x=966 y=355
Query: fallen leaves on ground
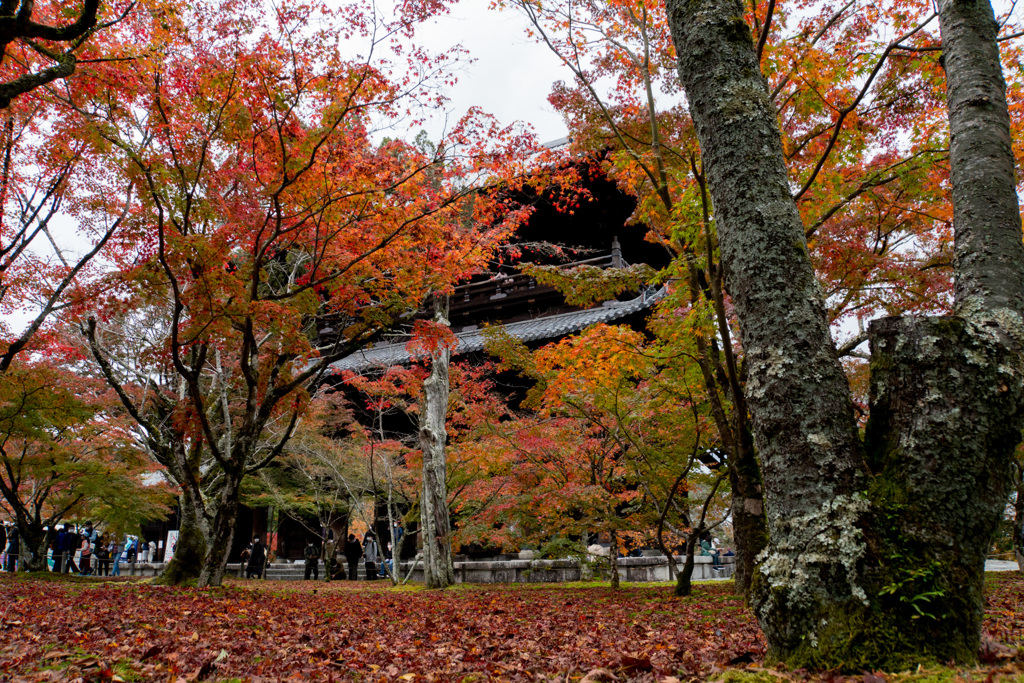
x=103 y=630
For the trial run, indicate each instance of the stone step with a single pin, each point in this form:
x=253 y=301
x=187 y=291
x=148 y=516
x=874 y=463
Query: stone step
x=297 y=572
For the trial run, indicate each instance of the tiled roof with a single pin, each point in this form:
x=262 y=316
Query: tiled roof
x=549 y=327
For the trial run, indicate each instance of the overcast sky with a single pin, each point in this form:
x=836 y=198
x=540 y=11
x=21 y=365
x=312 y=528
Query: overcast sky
x=512 y=74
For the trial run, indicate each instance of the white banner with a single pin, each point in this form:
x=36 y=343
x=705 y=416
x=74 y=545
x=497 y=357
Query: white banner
x=172 y=543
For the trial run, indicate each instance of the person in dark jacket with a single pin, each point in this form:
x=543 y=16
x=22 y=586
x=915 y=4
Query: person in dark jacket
x=71 y=541
x=312 y=556
x=58 y=550
x=13 y=550
x=353 y=551
x=257 y=556
x=102 y=555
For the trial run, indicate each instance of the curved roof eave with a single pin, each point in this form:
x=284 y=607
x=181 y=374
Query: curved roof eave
x=550 y=327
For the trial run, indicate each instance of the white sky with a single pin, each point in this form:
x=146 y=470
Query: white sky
x=512 y=74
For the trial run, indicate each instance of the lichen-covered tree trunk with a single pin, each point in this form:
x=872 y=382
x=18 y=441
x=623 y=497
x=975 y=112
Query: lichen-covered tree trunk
x=946 y=396
x=438 y=569
x=799 y=400
x=190 y=549
x=872 y=561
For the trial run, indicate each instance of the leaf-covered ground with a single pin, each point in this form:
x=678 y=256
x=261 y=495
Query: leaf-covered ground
x=54 y=628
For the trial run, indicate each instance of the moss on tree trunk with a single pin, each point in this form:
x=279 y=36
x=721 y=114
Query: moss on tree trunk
x=946 y=397
x=190 y=549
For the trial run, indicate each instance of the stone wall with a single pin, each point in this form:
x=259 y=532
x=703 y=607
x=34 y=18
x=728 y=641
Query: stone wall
x=631 y=569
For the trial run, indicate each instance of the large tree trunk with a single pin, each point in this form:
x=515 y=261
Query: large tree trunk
x=190 y=550
x=438 y=569
x=35 y=542
x=946 y=396
x=871 y=562
x=799 y=399
x=222 y=533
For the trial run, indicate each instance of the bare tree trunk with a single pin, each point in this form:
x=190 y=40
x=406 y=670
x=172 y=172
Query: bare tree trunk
x=684 y=579
x=222 y=533
x=438 y=569
x=989 y=266
x=395 y=568
x=1018 y=529
x=613 y=557
x=748 y=518
x=876 y=561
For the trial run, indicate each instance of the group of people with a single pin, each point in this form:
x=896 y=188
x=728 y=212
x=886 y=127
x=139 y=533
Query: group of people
x=368 y=551
x=709 y=548
x=376 y=565
x=87 y=552
x=81 y=550
x=370 y=554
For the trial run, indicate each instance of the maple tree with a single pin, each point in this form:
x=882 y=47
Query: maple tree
x=43 y=271
x=393 y=470
x=273 y=230
x=616 y=444
x=355 y=455
x=45 y=225
x=67 y=453
x=869 y=559
x=340 y=469
x=127 y=351
x=316 y=476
